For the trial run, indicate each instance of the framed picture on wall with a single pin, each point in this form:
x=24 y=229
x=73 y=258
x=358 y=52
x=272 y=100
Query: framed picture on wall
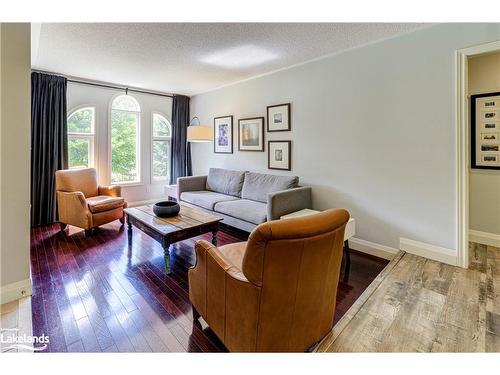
x=251 y=134
x=223 y=135
x=279 y=118
x=279 y=155
x=485 y=131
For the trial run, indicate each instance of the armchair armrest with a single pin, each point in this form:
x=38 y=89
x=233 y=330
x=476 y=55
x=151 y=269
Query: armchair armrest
x=75 y=199
x=191 y=183
x=111 y=191
x=197 y=276
x=214 y=284
x=73 y=209
x=287 y=201
x=219 y=260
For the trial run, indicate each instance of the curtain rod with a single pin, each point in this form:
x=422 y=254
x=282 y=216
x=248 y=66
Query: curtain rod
x=106 y=85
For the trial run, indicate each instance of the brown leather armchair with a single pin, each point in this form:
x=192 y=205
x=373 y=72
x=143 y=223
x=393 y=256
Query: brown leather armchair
x=276 y=292
x=83 y=203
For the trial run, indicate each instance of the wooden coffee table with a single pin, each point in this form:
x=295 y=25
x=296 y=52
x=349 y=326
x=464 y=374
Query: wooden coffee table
x=189 y=223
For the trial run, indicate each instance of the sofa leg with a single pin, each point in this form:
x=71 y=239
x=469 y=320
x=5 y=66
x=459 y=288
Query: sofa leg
x=62 y=226
x=88 y=232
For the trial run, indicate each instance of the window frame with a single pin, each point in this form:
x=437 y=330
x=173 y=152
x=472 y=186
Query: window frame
x=138 y=114
x=91 y=137
x=153 y=180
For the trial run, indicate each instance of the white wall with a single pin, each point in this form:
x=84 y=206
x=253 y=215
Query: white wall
x=484 y=185
x=373 y=130
x=15 y=161
x=83 y=95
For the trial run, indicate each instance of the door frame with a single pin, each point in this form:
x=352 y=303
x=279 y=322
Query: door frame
x=462 y=146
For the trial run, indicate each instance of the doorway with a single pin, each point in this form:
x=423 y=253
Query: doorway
x=463 y=146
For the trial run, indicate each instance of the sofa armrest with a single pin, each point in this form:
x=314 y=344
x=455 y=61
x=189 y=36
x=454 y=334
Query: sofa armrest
x=73 y=209
x=287 y=201
x=111 y=191
x=191 y=183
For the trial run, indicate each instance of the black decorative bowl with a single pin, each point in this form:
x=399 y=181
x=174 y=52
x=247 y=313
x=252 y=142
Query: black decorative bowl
x=166 y=208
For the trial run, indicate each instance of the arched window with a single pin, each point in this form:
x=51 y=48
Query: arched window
x=160 y=155
x=81 y=130
x=125 y=140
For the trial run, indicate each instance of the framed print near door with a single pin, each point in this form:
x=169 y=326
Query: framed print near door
x=279 y=155
x=223 y=135
x=251 y=134
x=278 y=118
x=485 y=131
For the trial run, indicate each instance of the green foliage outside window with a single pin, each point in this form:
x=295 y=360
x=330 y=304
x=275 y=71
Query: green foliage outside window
x=161 y=152
x=80 y=129
x=81 y=121
x=124 y=127
x=161 y=147
x=78 y=153
x=161 y=128
x=124 y=140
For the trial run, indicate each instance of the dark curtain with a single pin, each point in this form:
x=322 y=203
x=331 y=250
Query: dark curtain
x=49 y=143
x=180 y=153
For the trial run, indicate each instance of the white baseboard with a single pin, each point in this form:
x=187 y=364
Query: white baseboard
x=14 y=291
x=441 y=254
x=484 y=238
x=372 y=248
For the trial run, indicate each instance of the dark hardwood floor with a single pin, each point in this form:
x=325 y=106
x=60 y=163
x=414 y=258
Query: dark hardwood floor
x=104 y=294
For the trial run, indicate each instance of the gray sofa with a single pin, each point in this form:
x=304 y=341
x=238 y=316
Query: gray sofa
x=244 y=199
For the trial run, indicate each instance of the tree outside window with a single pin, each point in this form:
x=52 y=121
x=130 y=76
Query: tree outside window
x=81 y=125
x=125 y=138
x=160 y=154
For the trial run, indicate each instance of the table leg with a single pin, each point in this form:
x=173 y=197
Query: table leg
x=347 y=256
x=129 y=224
x=166 y=256
x=214 y=237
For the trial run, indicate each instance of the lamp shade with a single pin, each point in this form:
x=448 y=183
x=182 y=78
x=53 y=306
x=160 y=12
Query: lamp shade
x=199 y=133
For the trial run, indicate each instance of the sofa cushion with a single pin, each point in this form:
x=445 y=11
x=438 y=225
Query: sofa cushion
x=204 y=198
x=103 y=203
x=257 y=186
x=225 y=181
x=244 y=209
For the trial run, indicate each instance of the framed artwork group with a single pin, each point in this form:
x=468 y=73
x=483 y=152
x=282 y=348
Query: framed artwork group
x=485 y=131
x=251 y=135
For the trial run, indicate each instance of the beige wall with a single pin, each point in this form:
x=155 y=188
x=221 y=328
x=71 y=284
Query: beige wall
x=484 y=185
x=15 y=160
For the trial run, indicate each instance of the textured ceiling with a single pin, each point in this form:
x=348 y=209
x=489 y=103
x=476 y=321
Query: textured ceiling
x=190 y=58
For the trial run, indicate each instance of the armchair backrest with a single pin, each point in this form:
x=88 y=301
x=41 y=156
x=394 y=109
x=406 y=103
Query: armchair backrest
x=84 y=180
x=296 y=263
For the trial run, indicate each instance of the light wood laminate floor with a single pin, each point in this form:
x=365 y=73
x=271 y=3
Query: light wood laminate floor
x=15 y=320
x=420 y=305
